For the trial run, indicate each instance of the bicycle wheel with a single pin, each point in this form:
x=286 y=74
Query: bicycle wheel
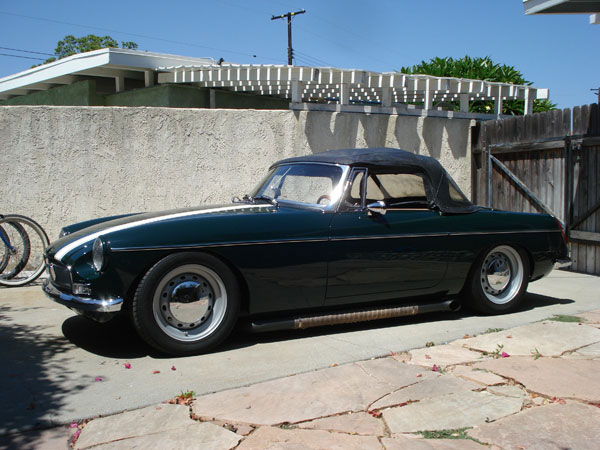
x=37 y=243
x=16 y=244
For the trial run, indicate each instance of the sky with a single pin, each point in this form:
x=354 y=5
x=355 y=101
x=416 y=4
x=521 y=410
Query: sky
x=558 y=52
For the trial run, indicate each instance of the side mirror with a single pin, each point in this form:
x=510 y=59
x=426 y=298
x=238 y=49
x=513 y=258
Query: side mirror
x=377 y=207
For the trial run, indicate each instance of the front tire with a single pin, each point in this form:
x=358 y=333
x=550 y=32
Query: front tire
x=186 y=304
x=499 y=279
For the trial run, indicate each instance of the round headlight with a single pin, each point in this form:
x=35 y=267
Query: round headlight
x=98 y=254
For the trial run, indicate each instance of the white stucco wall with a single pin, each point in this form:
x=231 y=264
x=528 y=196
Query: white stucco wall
x=66 y=164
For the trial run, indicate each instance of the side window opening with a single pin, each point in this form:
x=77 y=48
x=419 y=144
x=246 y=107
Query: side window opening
x=397 y=190
x=400 y=190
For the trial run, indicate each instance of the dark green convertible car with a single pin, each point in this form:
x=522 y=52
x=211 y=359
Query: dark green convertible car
x=335 y=237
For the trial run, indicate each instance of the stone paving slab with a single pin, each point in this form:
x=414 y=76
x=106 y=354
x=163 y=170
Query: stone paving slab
x=443 y=355
x=150 y=420
x=509 y=391
x=549 y=337
x=437 y=387
x=312 y=395
x=205 y=436
x=451 y=411
x=355 y=423
x=571 y=426
x=479 y=376
x=276 y=438
x=591 y=316
x=399 y=442
x=553 y=377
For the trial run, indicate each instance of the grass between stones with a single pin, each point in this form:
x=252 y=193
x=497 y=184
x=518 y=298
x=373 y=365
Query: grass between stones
x=458 y=433
x=568 y=319
x=492 y=330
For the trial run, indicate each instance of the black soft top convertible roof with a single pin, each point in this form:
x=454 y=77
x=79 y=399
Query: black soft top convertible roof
x=439 y=180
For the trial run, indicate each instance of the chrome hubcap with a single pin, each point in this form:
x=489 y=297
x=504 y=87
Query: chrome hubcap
x=186 y=301
x=502 y=274
x=497 y=273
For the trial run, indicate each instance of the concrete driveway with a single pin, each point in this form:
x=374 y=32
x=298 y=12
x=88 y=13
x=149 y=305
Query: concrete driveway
x=58 y=367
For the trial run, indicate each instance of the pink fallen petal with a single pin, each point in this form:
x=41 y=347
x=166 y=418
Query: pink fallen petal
x=427 y=357
x=434 y=368
x=173 y=368
x=75 y=435
x=98 y=378
x=505 y=355
x=127 y=365
x=73 y=425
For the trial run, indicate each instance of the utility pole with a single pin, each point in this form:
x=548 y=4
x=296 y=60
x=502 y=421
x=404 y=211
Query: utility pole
x=289 y=16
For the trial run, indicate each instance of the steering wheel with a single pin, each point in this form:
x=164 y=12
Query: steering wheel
x=323 y=197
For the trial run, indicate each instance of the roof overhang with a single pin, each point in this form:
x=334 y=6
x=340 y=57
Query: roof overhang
x=563 y=7
x=107 y=62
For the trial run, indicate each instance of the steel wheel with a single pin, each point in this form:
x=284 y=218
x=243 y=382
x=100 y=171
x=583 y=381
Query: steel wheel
x=499 y=279
x=187 y=303
x=190 y=302
x=502 y=274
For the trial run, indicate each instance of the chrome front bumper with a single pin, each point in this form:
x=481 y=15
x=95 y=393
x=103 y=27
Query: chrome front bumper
x=82 y=304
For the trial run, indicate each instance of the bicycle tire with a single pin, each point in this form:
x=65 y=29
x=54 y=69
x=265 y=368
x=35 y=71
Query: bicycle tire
x=17 y=249
x=6 y=251
x=38 y=241
x=5 y=255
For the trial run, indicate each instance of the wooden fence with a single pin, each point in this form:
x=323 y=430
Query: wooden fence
x=547 y=162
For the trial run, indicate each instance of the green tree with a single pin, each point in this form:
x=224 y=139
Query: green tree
x=71 y=45
x=480 y=69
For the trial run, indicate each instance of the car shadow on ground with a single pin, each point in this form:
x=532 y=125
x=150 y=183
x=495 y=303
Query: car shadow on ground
x=118 y=339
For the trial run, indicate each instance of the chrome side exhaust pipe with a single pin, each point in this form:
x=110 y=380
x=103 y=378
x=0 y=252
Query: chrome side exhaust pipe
x=300 y=323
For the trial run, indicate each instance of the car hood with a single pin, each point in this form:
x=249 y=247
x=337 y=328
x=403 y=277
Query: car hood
x=60 y=248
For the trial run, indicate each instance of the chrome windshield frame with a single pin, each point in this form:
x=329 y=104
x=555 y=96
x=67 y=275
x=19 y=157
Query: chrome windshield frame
x=336 y=193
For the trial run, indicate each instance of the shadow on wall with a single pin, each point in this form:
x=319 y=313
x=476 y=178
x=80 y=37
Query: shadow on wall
x=427 y=135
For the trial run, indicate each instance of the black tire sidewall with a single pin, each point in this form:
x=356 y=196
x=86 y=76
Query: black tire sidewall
x=143 y=315
x=477 y=298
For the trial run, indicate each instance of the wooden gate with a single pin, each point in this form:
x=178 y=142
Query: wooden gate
x=547 y=162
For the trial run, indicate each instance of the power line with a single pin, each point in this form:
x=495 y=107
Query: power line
x=26 y=51
x=23 y=57
x=310 y=57
x=135 y=35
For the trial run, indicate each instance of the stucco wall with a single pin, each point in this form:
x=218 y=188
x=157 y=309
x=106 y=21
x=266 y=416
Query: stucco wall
x=66 y=164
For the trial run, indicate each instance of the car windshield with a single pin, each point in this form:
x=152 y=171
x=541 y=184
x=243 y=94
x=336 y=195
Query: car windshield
x=309 y=184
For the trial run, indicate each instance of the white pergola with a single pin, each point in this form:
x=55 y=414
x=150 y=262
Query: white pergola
x=346 y=87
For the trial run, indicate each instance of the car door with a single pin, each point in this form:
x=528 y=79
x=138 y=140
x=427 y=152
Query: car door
x=392 y=253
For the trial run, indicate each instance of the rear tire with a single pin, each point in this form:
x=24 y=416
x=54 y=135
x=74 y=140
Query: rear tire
x=186 y=304
x=499 y=279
